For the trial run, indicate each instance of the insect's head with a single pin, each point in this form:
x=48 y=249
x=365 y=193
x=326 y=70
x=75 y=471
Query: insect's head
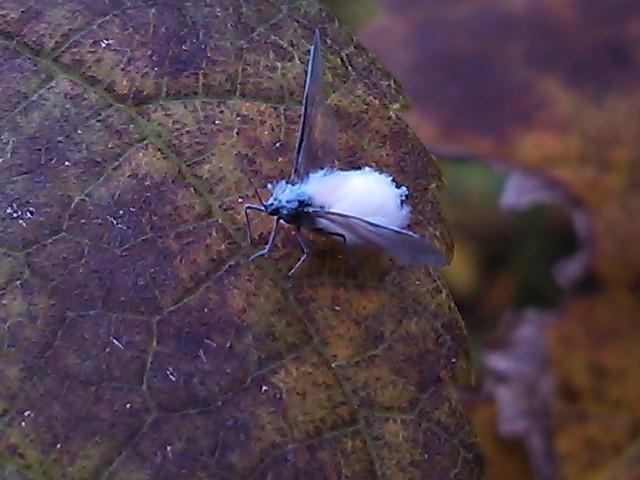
x=287 y=201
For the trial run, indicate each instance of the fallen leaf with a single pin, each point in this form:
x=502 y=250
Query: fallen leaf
x=137 y=340
x=548 y=90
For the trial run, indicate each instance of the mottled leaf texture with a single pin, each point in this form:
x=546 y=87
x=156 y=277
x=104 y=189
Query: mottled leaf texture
x=551 y=86
x=136 y=340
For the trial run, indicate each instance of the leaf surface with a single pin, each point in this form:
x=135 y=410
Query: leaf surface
x=137 y=342
x=549 y=87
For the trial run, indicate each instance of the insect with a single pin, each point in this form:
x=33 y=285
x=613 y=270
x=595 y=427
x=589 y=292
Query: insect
x=361 y=206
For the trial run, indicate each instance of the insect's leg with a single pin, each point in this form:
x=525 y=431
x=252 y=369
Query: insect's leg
x=341 y=236
x=246 y=217
x=269 y=246
x=331 y=234
x=305 y=251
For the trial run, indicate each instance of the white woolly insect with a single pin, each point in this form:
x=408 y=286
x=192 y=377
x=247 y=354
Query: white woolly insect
x=364 y=193
x=359 y=206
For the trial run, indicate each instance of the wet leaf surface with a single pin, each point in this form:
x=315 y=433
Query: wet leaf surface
x=136 y=340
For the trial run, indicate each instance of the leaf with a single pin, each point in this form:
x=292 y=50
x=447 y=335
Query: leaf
x=521 y=384
x=533 y=84
x=137 y=341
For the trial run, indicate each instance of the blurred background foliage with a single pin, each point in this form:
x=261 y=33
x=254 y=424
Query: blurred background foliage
x=533 y=109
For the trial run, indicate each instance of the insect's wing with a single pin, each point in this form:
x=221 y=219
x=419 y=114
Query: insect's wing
x=404 y=246
x=317 y=136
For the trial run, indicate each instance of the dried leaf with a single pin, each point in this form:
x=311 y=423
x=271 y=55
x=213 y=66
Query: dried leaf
x=137 y=341
x=550 y=87
x=521 y=383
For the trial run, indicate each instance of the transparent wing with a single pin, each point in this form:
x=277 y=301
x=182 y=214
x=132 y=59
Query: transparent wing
x=317 y=136
x=404 y=246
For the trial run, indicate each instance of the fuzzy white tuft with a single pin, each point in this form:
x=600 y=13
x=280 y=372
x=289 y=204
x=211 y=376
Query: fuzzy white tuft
x=365 y=193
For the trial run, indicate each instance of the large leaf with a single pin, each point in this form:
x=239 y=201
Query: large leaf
x=551 y=87
x=137 y=340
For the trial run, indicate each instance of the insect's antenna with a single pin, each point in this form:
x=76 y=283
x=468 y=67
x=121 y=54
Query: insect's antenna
x=257 y=192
